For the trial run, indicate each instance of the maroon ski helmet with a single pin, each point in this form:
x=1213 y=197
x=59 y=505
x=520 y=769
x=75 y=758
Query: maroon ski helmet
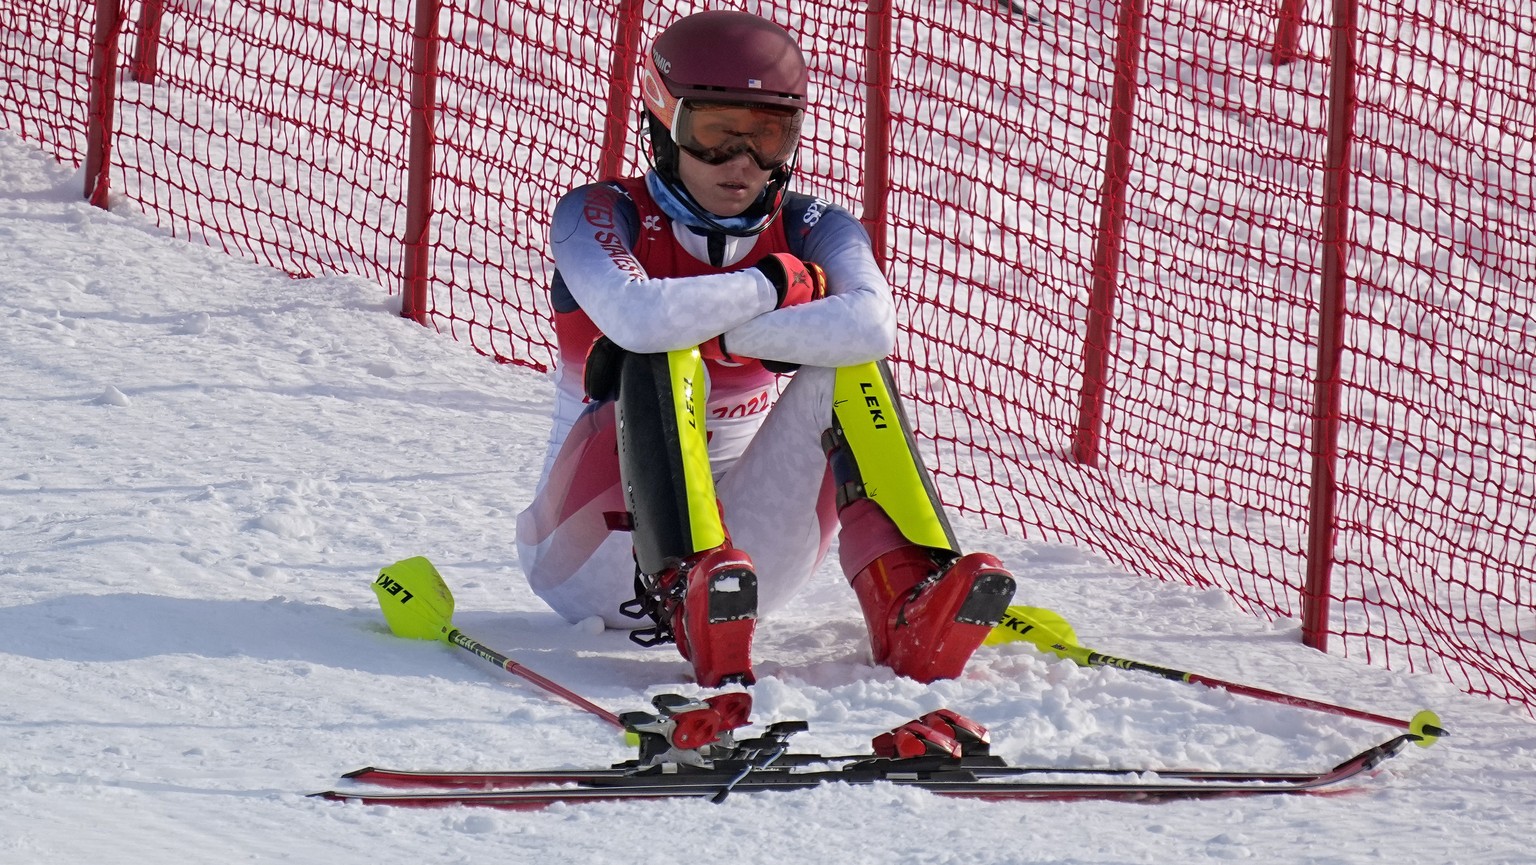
x=722 y=56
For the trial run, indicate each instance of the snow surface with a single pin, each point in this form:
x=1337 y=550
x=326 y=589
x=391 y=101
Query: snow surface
x=206 y=464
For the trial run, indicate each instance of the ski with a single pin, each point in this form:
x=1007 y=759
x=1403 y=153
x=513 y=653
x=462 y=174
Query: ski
x=980 y=767
x=940 y=777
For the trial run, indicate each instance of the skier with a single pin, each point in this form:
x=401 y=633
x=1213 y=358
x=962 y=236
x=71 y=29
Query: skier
x=722 y=402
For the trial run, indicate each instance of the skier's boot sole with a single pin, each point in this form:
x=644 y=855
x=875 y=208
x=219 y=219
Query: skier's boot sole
x=716 y=621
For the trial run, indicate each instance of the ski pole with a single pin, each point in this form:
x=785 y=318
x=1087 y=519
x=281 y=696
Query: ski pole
x=417 y=604
x=1051 y=634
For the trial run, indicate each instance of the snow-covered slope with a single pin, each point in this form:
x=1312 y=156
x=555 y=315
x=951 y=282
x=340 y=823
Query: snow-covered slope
x=206 y=464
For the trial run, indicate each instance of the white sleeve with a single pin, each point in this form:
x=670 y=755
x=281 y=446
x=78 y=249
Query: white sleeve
x=854 y=323
x=593 y=230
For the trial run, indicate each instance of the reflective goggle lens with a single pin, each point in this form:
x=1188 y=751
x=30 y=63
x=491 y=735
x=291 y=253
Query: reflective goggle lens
x=715 y=133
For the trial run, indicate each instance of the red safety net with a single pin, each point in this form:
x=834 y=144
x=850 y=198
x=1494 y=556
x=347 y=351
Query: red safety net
x=1108 y=225
x=45 y=50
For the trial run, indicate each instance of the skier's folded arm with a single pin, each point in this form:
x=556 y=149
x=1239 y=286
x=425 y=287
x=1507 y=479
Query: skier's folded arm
x=639 y=312
x=855 y=323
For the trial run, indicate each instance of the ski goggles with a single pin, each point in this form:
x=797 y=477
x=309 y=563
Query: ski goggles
x=717 y=132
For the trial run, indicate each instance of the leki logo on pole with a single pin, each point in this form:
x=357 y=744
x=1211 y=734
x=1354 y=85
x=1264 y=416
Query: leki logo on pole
x=391 y=587
x=873 y=405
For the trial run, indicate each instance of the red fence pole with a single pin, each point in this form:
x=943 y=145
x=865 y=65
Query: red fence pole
x=877 y=123
x=621 y=72
x=1287 y=30
x=103 y=101
x=1337 y=176
x=1106 y=257
x=146 y=52
x=418 y=195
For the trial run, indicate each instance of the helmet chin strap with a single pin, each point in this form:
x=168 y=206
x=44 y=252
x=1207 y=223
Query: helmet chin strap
x=663 y=155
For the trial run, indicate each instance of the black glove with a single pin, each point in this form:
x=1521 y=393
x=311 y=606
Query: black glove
x=600 y=376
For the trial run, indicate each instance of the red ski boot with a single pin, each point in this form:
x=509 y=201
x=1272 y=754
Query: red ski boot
x=708 y=606
x=926 y=610
x=925 y=620
x=717 y=617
